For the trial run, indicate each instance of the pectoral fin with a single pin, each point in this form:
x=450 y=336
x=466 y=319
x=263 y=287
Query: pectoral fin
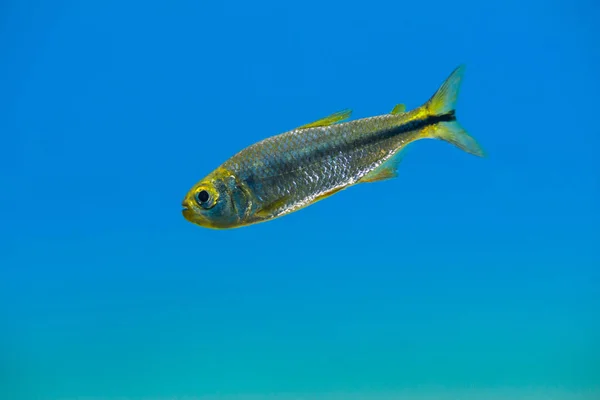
x=327 y=194
x=269 y=209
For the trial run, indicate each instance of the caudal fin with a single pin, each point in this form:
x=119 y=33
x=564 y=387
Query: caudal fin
x=442 y=105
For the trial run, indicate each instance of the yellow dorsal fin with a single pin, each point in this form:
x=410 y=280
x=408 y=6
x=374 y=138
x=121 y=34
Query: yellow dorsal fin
x=399 y=109
x=329 y=120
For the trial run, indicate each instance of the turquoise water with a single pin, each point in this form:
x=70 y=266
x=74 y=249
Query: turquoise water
x=464 y=278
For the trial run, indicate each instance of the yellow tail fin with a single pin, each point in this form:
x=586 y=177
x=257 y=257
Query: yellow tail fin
x=442 y=104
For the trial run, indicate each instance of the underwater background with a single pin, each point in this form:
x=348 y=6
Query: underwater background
x=464 y=278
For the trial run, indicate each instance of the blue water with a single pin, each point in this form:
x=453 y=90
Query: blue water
x=463 y=278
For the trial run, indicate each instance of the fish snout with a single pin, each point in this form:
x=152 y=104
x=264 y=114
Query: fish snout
x=186 y=208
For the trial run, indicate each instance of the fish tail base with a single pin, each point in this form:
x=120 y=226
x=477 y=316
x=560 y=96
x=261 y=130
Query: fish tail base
x=442 y=108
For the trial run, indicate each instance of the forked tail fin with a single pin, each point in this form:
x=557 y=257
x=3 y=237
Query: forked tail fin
x=442 y=105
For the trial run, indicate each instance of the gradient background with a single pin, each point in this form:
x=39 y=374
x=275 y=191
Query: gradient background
x=464 y=278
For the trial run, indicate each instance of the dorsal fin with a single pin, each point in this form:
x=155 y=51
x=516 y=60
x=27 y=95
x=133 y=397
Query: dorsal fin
x=329 y=120
x=399 y=109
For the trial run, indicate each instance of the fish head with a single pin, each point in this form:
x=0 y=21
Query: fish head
x=215 y=202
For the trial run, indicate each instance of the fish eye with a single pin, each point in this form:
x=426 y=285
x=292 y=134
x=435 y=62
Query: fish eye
x=203 y=196
x=206 y=199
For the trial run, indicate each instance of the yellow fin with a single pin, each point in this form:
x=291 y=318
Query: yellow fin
x=379 y=174
x=387 y=170
x=327 y=194
x=268 y=209
x=399 y=109
x=329 y=120
x=442 y=105
x=444 y=99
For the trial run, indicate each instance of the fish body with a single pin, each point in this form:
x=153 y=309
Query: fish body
x=289 y=171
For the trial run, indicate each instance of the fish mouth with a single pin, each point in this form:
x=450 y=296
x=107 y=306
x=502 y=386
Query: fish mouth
x=194 y=218
x=187 y=214
x=186 y=209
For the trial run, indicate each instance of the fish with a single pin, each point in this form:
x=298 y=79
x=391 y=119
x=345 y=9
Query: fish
x=295 y=169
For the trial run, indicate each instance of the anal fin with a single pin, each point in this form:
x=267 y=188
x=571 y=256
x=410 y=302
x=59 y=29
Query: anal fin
x=387 y=170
